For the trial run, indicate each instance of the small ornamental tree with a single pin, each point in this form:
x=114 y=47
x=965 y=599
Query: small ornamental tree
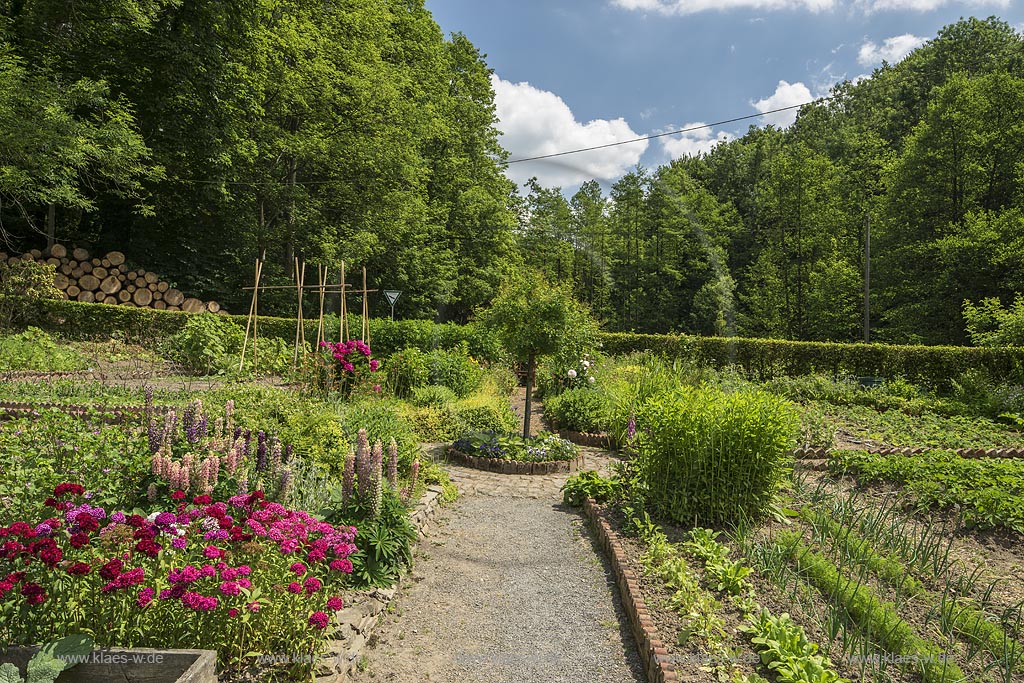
x=534 y=318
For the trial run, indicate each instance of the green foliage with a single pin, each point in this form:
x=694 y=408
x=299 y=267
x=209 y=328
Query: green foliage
x=541 y=448
x=23 y=284
x=588 y=484
x=200 y=348
x=406 y=370
x=581 y=410
x=785 y=650
x=990 y=324
x=988 y=491
x=710 y=456
x=383 y=421
x=767 y=358
x=455 y=369
x=51 y=659
x=433 y=395
x=385 y=543
x=864 y=605
x=34 y=349
x=486 y=412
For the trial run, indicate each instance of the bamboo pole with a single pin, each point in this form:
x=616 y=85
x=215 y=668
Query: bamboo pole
x=256 y=318
x=343 y=328
x=252 y=310
x=321 y=272
x=300 y=333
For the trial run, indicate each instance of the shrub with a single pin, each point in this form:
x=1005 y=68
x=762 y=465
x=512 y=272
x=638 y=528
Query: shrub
x=712 y=457
x=382 y=421
x=202 y=346
x=22 y=285
x=455 y=369
x=406 y=370
x=588 y=484
x=541 y=448
x=581 y=410
x=434 y=395
x=485 y=412
x=436 y=423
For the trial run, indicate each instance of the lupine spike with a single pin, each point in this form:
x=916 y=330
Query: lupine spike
x=348 y=477
x=261 y=451
x=393 y=464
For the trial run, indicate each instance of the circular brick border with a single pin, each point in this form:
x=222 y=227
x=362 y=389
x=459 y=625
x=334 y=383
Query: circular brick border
x=514 y=466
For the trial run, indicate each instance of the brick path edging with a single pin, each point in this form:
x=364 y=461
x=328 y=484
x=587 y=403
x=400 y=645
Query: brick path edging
x=361 y=616
x=500 y=466
x=653 y=652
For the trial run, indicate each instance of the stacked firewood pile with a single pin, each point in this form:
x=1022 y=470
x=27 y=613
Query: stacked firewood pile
x=108 y=280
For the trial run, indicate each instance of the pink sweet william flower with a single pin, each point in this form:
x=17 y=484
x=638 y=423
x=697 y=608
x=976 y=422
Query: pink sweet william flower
x=335 y=603
x=342 y=565
x=253 y=606
x=311 y=584
x=245 y=583
x=179 y=543
x=230 y=588
x=319 y=620
x=374 y=364
x=213 y=552
x=227 y=573
x=295 y=587
x=289 y=545
x=298 y=568
x=244 y=570
x=145 y=597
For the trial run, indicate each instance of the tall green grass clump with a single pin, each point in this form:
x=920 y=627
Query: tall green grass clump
x=707 y=456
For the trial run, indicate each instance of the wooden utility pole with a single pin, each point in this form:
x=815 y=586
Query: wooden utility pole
x=867 y=279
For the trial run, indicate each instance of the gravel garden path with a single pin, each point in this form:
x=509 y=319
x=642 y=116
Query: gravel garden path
x=508 y=588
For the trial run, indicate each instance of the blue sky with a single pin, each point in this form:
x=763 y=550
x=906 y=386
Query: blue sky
x=577 y=73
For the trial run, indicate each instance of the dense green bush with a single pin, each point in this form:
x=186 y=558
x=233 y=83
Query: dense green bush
x=707 y=456
x=435 y=423
x=486 y=412
x=455 y=369
x=383 y=421
x=201 y=347
x=581 y=410
x=766 y=358
x=406 y=370
x=34 y=349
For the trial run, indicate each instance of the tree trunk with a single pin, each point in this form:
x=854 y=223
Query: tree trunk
x=530 y=368
x=51 y=225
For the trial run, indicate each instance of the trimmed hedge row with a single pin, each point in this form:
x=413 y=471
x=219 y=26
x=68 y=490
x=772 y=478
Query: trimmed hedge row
x=75 y=320
x=766 y=358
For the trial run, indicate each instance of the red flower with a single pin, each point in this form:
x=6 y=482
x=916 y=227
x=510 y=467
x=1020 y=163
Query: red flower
x=319 y=620
x=79 y=569
x=178 y=495
x=298 y=568
x=86 y=522
x=68 y=487
x=15 y=577
x=212 y=552
x=50 y=503
x=311 y=584
x=144 y=534
x=294 y=587
x=232 y=613
x=137 y=521
x=202 y=500
x=51 y=556
x=148 y=547
x=225 y=522
x=22 y=529
x=34 y=592
x=335 y=603
x=112 y=569
x=78 y=540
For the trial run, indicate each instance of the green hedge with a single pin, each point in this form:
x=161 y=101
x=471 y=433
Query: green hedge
x=765 y=358
x=75 y=320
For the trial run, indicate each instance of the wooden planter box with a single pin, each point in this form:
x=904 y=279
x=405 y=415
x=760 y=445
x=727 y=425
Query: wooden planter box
x=139 y=665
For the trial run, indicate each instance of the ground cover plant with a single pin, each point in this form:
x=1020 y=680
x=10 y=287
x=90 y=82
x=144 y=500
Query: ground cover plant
x=543 y=447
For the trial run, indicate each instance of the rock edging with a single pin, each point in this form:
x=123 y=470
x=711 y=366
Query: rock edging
x=359 y=619
x=653 y=652
x=514 y=466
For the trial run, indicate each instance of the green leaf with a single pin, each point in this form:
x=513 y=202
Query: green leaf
x=44 y=668
x=9 y=674
x=70 y=648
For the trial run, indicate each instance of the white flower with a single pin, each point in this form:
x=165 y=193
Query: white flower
x=572 y=374
x=590 y=380
x=586 y=363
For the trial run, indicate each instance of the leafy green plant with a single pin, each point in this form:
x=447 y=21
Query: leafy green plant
x=433 y=395
x=588 y=484
x=541 y=448
x=581 y=410
x=34 y=349
x=50 y=661
x=23 y=284
x=712 y=456
x=202 y=347
x=784 y=648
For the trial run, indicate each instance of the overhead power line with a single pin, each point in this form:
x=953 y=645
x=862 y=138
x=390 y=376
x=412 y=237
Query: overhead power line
x=671 y=132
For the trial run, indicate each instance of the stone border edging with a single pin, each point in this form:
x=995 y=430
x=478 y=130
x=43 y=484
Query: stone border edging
x=359 y=619
x=653 y=652
x=514 y=466
x=599 y=440
x=825 y=453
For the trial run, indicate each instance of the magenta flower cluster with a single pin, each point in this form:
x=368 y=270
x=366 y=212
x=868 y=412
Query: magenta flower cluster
x=347 y=352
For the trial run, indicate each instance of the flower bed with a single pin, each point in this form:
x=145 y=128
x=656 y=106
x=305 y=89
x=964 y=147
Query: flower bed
x=237 y=577
x=542 y=454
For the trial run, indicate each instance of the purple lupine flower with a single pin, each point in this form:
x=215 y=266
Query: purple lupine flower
x=202 y=427
x=287 y=454
x=155 y=436
x=631 y=428
x=284 y=483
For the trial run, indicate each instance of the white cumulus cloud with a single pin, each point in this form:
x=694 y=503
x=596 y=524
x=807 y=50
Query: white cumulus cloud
x=536 y=122
x=693 y=6
x=785 y=95
x=693 y=142
x=891 y=50
x=923 y=5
